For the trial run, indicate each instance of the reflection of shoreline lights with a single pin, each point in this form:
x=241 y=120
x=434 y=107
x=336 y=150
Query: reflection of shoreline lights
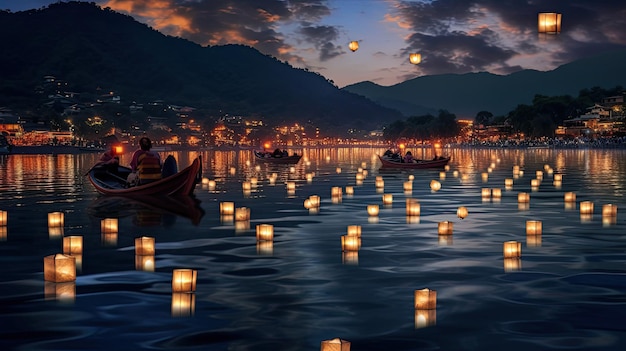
x=183 y=304
x=462 y=212
x=144 y=246
x=512 y=249
x=425 y=299
x=372 y=210
x=264 y=232
x=184 y=280
x=533 y=227
x=335 y=344
x=59 y=268
x=73 y=245
x=445 y=228
x=227 y=208
x=586 y=207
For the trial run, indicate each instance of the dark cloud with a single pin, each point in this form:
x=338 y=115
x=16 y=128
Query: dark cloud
x=322 y=38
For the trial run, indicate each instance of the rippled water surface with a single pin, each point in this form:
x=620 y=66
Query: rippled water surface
x=566 y=292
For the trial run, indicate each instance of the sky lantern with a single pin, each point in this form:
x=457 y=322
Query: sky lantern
x=415 y=58
x=354 y=45
x=549 y=23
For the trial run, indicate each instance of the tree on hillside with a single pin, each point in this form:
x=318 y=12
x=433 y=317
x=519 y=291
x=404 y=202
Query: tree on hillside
x=483 y=117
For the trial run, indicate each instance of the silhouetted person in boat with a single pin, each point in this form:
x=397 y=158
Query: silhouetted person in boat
x=408 y=158
x=145 y=163
x=109 y=160
x=277 y=153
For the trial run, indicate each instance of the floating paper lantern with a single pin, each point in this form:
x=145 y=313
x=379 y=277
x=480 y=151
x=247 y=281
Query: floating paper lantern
x=354 y=230
x=353 y=45
x=144 y=246
x=350 y=243
x=212 y=185
x=523 y=198
x=144 y=263
x=307 y=204
x=496 y=193
x=315 y=200
x=363 y=164
x=227 y=208
x=349 y=190
x=264 y=232
x=242 y=214
x=539 y=174
x=265 y=248
x=408 y=186
x=455 y=174
x=558 y=177
x=205 y=180
x=309 y=177
x=184 y=280
x=73 y=245
x=387 y=199
x=109 y=226
x=445 y=228
x=425 y=299
x=359 y=177
x=512 y=249
x=485 y=192
x=512 y=264
x=435 y=185
x=485 y=177
x=586 y=207
x=533 y=227
x=183 y=304
x=291 y=186
x=56 y=219
x=425 y=318
x=609 y=210
x=446 y=168
x=335 y=344
x=336 y=191
x=570 y=197
x=380 y=183
x=461 y=212
x=415 y=58
x=442 y=175
x=338 y=170
x=534 y=183
x=508 y=183
x=549 y=23
x=413 y=208
x=372 y=210
x=254 y=181
x=516 y=169
x=59 y=268
x=246 y=186
x=3 y=218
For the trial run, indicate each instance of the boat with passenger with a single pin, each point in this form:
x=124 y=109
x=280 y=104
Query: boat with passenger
x=398 y=162
x=277 y=157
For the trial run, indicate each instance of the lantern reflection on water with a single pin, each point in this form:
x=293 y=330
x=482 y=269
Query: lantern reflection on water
x=184 y=280
x=508 y=183
x=512 y=264
x=3 y=233
x=350 y=258
x=425 y=318
x=183 y=304
x=59 y=268
x=144 y=263
x=64 y=292
x=265 y=248
x=349 y=190
x=73 y=245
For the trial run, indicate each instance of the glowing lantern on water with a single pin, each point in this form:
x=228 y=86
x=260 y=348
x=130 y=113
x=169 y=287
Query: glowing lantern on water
x=415 y=58
x=455 y=174
x=512 y=249
x=315 y=200
x=380 y=183
x=569 y=197
x=462 y=212
x=109 y=226
x=425 y=299
x=242 y=214
x=349 y=190
x=338 y=170
x=508 y=183
x=533 y=227
x=307 y=204
x=309 y=177
x=425 y=318
x=3 y=218
x=205 y=180
x=56 y=219
x=408 y=186
x=353 y=45
x=372 y=210
x=442 y=175
x=246 y=186
x=363 y=164
x=227 y=208
x=435 y=185
x=350 y=243
x=144 y=246
x=264 y=232
x=413 y=207
x=445 y=228
x=534 y=183
x=59 y=268
x=183 y=304
x=558 y=177
x=387 y=199
x=291 y=186
x=336 y=191
x=211 y=185
x=485 y=193
x=586 y=207
x=446 y=168
x=485 y=177
x=73 y=245
x=609 y=210
x=354 y=230
x=549 y=23
x=539 y=174
x=523 y=198
x=184 y=280
x=335 y=344
x=496 y=193
x=254 y=181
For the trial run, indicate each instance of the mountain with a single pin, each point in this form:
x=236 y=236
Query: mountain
x=93 y=49
x=467 y=94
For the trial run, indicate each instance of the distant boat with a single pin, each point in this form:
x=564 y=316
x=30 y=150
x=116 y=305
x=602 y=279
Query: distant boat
x=5 y=146
x=181 y=183
x=293 y=159
x=389 y=162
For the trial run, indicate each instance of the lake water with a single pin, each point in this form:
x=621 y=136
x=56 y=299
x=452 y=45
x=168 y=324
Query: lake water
x=567 y=291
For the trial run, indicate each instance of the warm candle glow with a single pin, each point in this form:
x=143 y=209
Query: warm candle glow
x=415 y=58
x=523 y=198
x=512 y=249
x=338 y=170
x=408 y=185
x=380 y=183
x=354 y=230
x=372 y=210
x=264 y=232
x=315 y=200
x=291 y=186
x=350 y=243
x=485 y=192
x=144 y=246
x=336 y=191
x=73 y=245
x=535 y=183
x=442 y=175
x=496 y=193
x=3 y=218
x=413 y=207
x=445 y=228
x=435 y=185
x=609 y=210
x=212 y=185
x=462 y=212
x=539 y=175
x=227 y=208
x=558 y=177
x=109 y=226
x=586 y=207
x=485 y=177
x=349 y=190
x=533 y=227
x=425 y=299
x=56 y=219
x=425 y=318
x=570 y=197
x=387 y=199
x=335 y=344
x=242 y=214
x=508 y=183
x=59 y=268
x=184 y=280
x=246 y=186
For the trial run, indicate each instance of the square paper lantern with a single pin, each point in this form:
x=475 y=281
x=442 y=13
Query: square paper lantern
x=533 y=240
x=242 y=214
x=508 y=183
x=413 y=207
x=349 y=190
x=211 y=185
x=109 y=226
x=539 y=175
x=558 y=177
x=485 y=192
x=549 y=23
x=445 y=228
x=372 y=210
x=350 y=243
x=56 y=219
x=609 y=210
x=227 y=208
x=425 y=299
x=569 y=197
x=335 y=344
x=183 y=305
x=380 y=183
x=586 y=207
x=387 y=199
x=535 y=183
x=336 y=191
x=523 y=198
x=496 y=193
x=485 y=177
x=512 y=249
x=184 y=280
x=3 y=218
x=264 y=232
x=408 y=185
x=354 y=230
x=315 y=200
x=73 y=245
x=59 y=268
x=144 y=246
x=533 y=227
x=291 y=186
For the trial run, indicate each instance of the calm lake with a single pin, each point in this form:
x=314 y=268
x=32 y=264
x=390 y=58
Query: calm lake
x=567 y=291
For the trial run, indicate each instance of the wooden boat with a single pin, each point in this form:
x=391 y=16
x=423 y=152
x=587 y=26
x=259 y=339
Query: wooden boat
x=147 y=210
x=293 y=159
x=417 y=164
x=114 y=183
